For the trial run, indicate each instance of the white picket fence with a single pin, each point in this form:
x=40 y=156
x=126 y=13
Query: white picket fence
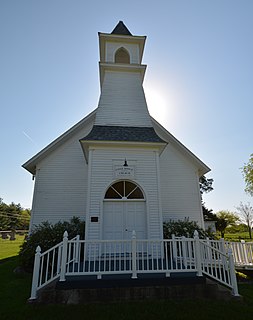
x=77 y=257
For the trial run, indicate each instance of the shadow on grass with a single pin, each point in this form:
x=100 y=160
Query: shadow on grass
x=15 y=290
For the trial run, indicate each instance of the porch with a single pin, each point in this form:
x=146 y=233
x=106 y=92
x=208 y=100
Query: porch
x=139 y=259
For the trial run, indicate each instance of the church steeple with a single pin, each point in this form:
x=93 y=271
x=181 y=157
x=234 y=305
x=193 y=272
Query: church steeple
x=122 y=100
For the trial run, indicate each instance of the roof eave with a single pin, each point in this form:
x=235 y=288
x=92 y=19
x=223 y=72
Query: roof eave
x=202 y=167
x=31 y=164
x=87 y=144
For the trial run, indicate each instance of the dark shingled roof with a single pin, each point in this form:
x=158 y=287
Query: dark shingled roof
x=121 y=29
x=116 y=133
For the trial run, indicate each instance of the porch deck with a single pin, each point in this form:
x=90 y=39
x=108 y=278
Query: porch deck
x=124 y=281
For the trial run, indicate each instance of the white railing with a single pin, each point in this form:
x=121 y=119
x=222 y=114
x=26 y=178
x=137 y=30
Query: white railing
x=242 y=251
x=218 y=266
x=49 y=265
x=77 y=257
x=130 y=257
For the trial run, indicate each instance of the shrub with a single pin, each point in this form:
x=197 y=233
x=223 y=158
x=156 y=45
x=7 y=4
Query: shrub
x=184 y=228
x=46 y=235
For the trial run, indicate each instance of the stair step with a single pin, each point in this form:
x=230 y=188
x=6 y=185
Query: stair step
x=80 y=291
x=144 y=280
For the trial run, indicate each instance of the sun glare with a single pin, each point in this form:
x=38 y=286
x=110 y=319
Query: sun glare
x=157 y=104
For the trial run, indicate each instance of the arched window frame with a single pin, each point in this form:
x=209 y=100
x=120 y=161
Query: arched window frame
x=123 y=55
x=126 y=195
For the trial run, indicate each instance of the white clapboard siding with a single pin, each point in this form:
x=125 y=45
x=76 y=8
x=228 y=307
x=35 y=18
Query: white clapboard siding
x=179 y=187
x=61 y=183
x=102 y=175
x=122 y=101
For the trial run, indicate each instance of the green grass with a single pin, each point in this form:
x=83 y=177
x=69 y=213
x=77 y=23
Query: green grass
x=237 y=236
x=15 y=289
x=10 y=248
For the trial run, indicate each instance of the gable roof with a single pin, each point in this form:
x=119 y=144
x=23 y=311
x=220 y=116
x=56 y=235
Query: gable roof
x=121 y=29
x=30 y=165
x=202 y=167
x=118 y=133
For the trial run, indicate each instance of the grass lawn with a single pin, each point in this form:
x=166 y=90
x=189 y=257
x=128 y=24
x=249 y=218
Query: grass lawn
x=237 y=236
x=10 y=248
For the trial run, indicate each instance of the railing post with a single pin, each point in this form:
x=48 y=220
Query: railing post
x=77 y=248
x=222 y=247
x=250 y=250
x=59 y=260
x=209 y=251
x=134 y=266
x=244 y=252
x=64 y=256
x=36 y=272
x=197 y=253
x=184 y=251
x=174 y=247
x=232 y=273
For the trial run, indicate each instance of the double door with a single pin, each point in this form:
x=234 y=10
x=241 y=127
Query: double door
x=121 y=218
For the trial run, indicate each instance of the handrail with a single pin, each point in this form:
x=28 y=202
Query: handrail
x=47 y=267
x=48 y=250
x=219 y=265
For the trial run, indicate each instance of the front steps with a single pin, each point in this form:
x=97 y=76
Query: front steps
x=82 y=290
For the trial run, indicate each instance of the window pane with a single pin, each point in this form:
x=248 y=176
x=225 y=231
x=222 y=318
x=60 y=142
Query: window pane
x=119 y=187
x=111 y=194
x=129 y=187
x=136 y=194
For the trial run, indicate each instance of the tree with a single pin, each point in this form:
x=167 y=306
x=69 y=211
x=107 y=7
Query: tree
x=24 y=219
x=205 y=185
x=247 y=171
x=4 y=219
x=246 y=212
x=13 y=216
x=208 y=213
x=225 y=219
x=238 y=228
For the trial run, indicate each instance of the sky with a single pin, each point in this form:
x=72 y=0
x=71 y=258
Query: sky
x=198 y=83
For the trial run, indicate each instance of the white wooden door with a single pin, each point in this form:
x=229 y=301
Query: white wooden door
x=113 y=221
x=135 y=219
x=120 y=218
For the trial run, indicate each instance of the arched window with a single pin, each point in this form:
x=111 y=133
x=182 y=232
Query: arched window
x=124 y=190
x=122 y=56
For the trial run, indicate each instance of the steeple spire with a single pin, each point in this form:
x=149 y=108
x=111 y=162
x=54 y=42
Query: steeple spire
x=121 y=29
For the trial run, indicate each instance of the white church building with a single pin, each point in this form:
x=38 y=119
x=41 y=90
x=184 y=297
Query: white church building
x=118 y=168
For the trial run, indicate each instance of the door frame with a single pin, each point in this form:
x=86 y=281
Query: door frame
x=103 y=200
